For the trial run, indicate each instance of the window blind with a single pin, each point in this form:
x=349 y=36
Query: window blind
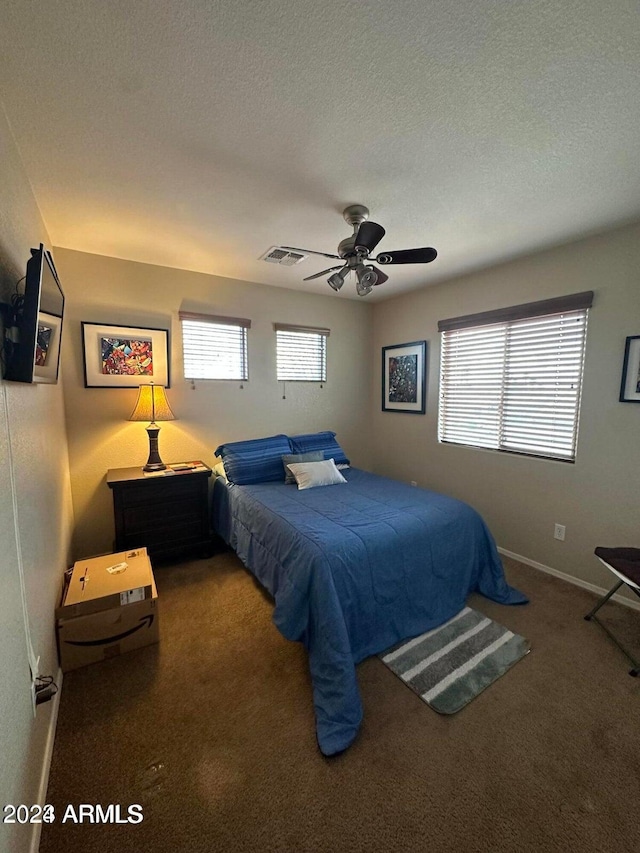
x=214 y=347
x=514 y=385
x=301 y=353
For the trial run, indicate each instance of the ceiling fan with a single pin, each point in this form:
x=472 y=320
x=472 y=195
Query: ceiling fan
x=355 y=252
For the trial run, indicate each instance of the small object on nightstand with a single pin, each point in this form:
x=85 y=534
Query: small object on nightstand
x=188 y=466
x=178 y=468
x=168 y=513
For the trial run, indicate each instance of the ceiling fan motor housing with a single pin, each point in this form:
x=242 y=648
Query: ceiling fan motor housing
x=346 y=247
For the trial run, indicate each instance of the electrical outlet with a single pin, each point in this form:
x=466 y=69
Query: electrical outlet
x=558 y=532
x=414 y=483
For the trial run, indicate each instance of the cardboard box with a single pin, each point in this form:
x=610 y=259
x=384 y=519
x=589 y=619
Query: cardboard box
x=110 y=607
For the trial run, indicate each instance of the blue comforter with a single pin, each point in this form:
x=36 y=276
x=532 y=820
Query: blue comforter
x=355 y=568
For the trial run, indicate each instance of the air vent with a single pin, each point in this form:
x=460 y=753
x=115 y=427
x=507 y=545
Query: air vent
x=276 y=255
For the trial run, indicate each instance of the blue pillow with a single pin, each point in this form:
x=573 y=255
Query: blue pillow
x=258 y=460
x=324 y=441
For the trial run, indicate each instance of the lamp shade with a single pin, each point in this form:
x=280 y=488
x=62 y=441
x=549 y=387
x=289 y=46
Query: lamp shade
x=152 y=405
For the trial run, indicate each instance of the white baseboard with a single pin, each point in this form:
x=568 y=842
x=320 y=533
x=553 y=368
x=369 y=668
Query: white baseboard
x=46 y=762
x=621 y=599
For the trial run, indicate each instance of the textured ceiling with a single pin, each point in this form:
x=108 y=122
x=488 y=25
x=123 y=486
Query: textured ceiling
x=197 y=134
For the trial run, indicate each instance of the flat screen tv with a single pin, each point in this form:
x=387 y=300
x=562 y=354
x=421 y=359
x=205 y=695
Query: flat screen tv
x=35 y=348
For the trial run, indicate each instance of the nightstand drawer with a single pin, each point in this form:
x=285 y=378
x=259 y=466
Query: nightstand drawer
x=173 y=514
x=155 y=489
x=189 y=532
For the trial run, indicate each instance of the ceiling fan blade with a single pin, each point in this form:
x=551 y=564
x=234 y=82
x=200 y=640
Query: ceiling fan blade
x=369 y=235
x=310 y=252
x=408 y=256
x=382 y=276
x=320 y=274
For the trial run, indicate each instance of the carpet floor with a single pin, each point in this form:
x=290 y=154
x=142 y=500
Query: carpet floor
x=212 y=732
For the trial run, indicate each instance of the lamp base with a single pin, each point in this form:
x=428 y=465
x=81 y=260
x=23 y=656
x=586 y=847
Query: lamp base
x=157 y=467
x=154 y=463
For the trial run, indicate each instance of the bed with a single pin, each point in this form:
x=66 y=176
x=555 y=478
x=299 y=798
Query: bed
x=355 y=568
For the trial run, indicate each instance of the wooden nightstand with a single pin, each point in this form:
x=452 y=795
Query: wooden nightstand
x=167 y=514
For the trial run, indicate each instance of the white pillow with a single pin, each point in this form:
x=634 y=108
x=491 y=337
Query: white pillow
x=311 y=474
x=218 y=470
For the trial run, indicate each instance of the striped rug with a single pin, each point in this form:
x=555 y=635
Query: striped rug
x=450 y=665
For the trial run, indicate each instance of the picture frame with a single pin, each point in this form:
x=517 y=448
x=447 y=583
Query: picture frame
x=630 y=384
x=124 y=356
x=47 y=349
x=404 y=378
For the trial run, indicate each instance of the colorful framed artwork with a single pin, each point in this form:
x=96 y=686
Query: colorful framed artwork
x=630 y=385
x=124 y=357
x=404 y=378
x=47 y=351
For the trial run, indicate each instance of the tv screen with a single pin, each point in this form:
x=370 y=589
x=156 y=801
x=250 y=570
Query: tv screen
x=35 y=350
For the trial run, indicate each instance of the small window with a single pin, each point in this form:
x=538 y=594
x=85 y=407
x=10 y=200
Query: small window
x=511 y=380
x=301 y=353
x=214 y=347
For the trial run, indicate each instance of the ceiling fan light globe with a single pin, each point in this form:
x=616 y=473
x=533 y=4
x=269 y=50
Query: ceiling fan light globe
x=367 y=277
x=338 y=278
x=363 y=289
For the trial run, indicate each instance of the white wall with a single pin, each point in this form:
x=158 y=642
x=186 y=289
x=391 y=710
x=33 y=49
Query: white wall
x=108 y=290
x=35 y=518
x=521 y=497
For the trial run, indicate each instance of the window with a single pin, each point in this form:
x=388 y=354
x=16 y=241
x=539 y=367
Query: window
x=511 y=380
x=214 y=347
x=301 y=353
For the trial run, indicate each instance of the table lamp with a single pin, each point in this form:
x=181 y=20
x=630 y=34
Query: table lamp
x=152 y=405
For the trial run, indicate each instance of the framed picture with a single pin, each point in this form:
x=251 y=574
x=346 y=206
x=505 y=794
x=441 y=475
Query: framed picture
x=47 y=355
x=124 y=357
x=630 y=386
x=404 y=378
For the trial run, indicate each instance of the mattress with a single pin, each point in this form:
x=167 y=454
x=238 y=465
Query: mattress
x=355 y=568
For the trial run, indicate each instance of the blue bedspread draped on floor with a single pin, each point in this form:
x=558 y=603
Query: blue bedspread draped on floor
x=355 y=568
